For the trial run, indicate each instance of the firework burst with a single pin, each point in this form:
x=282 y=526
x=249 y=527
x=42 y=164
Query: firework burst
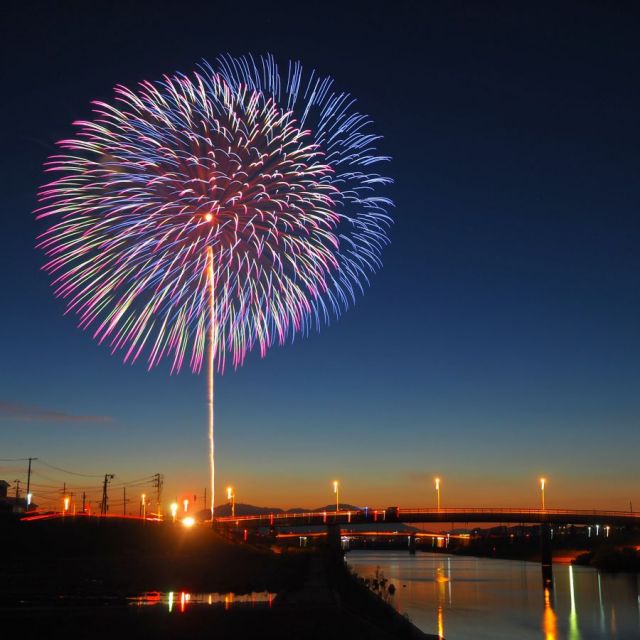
x=237 y=206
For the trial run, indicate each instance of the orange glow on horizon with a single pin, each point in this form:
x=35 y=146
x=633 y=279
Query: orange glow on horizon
x=307 y=490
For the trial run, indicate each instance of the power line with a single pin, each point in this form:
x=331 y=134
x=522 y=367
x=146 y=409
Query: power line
x=73 y=473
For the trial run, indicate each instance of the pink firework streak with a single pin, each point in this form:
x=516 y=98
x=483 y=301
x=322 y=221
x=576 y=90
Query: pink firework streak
x=234 y=208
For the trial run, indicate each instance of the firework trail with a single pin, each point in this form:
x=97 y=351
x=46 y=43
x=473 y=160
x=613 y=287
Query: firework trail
x=237 y=206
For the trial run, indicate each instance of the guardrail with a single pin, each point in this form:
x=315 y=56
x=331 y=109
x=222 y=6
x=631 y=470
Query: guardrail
x=398 y=514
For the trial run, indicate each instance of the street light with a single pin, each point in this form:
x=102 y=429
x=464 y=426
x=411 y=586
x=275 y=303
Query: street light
x=66 y=504
x=336 y=490
x=174 y=511
x=232 y=499
x=144 y=506
x=185 y=503
x=438 y=492
x=29 y=496
x=542 y=483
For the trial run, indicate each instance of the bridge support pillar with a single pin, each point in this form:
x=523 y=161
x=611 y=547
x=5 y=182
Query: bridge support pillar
x=333 y=538
x=412 y=544
x=546 y=555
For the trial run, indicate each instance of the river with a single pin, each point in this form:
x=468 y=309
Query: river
x=466 y=598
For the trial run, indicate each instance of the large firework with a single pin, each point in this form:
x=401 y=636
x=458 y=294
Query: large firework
x=199 y=217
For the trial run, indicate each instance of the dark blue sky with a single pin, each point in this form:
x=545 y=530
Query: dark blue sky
x=498 y=343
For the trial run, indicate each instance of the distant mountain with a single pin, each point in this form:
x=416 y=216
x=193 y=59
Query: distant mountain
x=242 y=509
x=332 y=507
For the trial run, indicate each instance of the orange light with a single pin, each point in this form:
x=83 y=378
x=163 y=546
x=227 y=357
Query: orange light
x=188 y=522
x=549 y=622
x=186 y=505
x=208 y=217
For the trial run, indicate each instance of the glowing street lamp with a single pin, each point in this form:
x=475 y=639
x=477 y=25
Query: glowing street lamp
x=438 y=492
x=29 y=497
x=174 y=510
x=143 y=499
x=66 y=504
x=185 y=503
x=231 y=497
x=542 y=483
x=336 y=490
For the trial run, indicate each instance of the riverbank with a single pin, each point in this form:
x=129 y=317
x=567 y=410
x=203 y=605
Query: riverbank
x=612 y=559
x=76 y=576
x=606 y=555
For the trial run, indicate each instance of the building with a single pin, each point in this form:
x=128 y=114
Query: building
x=12 y=504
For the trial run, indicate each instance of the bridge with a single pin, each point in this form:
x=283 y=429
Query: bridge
x=443 y=516
x=341 y=519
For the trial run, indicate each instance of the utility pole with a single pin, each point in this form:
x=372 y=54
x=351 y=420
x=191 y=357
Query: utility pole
x=158 y=481
x=124 y=500
x=105 y=505
x=65 y=499
x=84 y=499
x=17 y=490
x=29 y=481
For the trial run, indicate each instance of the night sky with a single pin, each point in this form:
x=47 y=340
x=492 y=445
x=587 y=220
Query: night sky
x=499 y=342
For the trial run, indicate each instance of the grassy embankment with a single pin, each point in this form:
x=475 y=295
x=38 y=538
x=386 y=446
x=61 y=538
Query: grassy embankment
x=96 y=565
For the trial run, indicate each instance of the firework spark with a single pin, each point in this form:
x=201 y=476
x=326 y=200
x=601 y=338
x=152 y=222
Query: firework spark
x=236 y=206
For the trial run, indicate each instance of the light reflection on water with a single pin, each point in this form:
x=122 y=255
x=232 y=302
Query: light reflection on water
x=181 y=600
x=462 y=598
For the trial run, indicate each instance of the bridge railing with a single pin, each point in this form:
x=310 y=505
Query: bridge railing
x=289 y=516
x=513 y=510
x=398 y=513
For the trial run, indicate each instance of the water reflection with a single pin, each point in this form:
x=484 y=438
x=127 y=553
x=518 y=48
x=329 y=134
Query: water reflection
x=442 y=585
x=549 y=624
x=440 y=624
x=574 y=632
x=503 y=599
x=183 y=599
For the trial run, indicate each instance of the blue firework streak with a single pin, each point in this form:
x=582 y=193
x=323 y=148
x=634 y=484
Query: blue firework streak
x=237 y=202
